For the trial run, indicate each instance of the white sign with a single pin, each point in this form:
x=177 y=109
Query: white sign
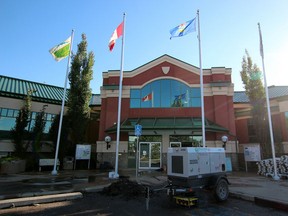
x=83 y=152
x=252 y=153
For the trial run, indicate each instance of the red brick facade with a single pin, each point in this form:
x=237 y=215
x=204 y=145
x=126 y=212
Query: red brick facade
x=218 y=94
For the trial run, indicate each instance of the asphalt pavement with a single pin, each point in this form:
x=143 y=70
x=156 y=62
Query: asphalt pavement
x=42 y=187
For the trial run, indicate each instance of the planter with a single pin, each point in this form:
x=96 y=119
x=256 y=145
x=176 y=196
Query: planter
x=12 y=167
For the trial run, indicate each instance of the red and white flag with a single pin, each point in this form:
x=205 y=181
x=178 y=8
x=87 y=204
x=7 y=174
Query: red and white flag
x=147 y=97
x=118 y=32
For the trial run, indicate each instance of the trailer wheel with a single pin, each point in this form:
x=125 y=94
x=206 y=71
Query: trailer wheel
x=221 y=191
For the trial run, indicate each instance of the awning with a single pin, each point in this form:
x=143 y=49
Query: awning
x=177 y=123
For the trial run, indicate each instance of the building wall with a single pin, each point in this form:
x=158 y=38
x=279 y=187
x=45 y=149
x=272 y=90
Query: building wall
x=284 y=129
x=280 y=129
x=218 y=92
x=12 y=103
x=242 y=131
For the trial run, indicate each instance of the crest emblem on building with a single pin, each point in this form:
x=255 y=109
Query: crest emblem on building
x=165 y=70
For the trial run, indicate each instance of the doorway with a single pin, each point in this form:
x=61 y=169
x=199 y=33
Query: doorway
x=149 y=155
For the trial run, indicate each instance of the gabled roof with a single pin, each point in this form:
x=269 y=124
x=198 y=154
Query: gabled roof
x=273 y=91
x=157 y=61
x=166 y=58
x=18 y=88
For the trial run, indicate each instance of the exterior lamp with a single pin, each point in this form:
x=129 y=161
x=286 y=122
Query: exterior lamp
x=224 y=140
x=108 y=140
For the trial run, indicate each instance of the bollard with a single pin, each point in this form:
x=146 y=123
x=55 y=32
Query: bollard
x=147 y=196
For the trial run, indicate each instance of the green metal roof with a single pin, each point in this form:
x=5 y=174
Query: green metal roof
x=273 y=91
x=181 y=123
x=18 y=88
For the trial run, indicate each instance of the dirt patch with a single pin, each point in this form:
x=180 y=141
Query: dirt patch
x=124 y=187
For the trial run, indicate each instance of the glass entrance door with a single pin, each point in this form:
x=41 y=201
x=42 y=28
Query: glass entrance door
x=149 y=155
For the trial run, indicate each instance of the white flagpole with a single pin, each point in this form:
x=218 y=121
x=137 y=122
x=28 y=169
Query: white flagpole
x=54 y=171
x=201 y=85
x=116 y=175
x=152 y=99
x=275 y=177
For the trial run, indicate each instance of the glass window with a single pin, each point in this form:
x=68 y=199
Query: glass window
x=8 y=120
x=175 y=144
x=155 y=86
x=186 y=141
x=47 y=127
x=7 y=123
x=135 y=103
x=16 y=112
x=151 y=138
x=30 y=125
x=10 y=112
x=195 y=92
x=135 y=93
x=49 y=117
x=195 y=102
x=165 y=93
x=132 y=144
x=4 y=112
x=165 y=98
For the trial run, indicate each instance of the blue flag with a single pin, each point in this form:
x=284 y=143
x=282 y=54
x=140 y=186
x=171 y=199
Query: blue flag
x=184 y=28
x=181 y=96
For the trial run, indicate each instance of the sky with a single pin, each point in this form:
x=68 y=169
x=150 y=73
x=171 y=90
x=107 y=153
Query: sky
x=29 y=28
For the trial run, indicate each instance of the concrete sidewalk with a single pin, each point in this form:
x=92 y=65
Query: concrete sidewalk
x=33 y=188
x=260 y=189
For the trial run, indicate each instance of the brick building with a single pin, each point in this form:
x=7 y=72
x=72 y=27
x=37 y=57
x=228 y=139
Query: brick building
x=163 y=96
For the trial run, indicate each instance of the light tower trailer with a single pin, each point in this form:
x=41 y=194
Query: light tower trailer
x=190 y=168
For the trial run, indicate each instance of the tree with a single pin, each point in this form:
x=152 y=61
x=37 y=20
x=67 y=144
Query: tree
x=18 y=132
x=251 y=78
x=38 y=129
x=79 y=96
x=65 y=144
x=37 y=134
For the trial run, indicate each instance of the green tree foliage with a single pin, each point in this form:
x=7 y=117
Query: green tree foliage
x=251 y=78
x=36 y=137
x=65 y=144
x=38 y=130
x=79 y=96
x=18 y=132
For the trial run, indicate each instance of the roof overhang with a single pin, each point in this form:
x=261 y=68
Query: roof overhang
x=178 y=123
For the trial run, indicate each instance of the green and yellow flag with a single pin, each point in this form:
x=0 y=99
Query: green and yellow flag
x=61 y=51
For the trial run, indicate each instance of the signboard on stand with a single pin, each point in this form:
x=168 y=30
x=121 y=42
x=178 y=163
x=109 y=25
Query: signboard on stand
x=252 y=154
x=83 y=152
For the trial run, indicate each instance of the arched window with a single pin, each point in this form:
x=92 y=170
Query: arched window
x=165 y=93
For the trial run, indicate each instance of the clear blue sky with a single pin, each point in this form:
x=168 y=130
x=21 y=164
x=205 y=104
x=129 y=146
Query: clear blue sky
x=29 y=28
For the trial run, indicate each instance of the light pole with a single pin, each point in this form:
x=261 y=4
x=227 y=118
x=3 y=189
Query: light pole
x=224 y=140
x=108 y=140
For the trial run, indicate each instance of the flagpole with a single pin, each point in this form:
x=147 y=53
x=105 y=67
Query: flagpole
x=54 y=171
x=201 y=85
x=116 y=175
x=152 y=99
x=275 y=177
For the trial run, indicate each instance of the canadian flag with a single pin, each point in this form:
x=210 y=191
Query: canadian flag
x=118 y=32
x=148 y=97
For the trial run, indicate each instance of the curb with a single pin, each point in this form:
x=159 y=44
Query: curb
x=95 y=188
x=273 y=204
x=8 y=203
x=262 y=201
x=242 y=196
